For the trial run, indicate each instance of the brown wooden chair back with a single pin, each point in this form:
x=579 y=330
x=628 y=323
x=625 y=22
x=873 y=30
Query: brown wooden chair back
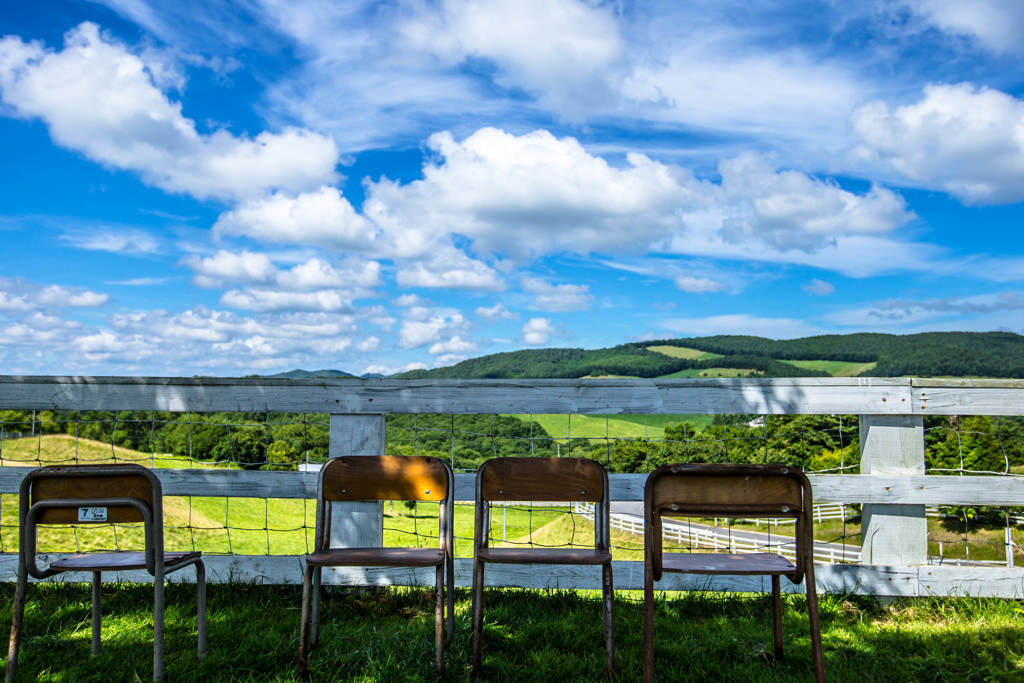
x=384 y=477
x=542 y=479
x=92 y=483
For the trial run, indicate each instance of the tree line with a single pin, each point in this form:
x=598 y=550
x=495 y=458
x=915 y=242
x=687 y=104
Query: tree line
x=283 y=440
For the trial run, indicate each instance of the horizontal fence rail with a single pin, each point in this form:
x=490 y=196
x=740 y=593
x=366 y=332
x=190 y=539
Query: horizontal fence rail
x=893 y=493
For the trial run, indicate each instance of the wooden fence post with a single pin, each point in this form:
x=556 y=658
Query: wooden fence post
x=357 y=525
x=893 y=535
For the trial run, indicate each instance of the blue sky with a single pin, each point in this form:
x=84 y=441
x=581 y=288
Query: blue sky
x=228 y=188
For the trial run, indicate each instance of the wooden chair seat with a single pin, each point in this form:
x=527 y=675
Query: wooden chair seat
x=720 y=563
x=376 y=557
x=118 y=561
x=585 y=556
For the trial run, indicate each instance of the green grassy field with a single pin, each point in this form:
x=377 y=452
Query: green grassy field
x=705 y=373
x=836 y=368
x=529 y=635
x=601 y=426
x=683 y=352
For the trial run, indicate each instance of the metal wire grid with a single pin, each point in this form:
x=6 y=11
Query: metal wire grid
x=960 y=446
x=971 y=446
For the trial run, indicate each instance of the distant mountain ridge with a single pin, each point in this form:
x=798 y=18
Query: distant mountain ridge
x=308 y=374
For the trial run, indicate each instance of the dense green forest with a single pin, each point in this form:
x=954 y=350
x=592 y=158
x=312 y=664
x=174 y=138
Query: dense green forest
x=932 y=354
x=630 y=360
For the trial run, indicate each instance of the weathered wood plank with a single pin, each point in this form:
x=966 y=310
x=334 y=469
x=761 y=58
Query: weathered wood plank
x=585 y=397
x=356 y=524
x=861 y=579
x=893 y=534
x=991 y=490
x=968 y=397
x=828 y=488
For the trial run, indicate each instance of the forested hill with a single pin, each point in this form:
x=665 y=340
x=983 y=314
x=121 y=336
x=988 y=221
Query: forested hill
x=932 y=354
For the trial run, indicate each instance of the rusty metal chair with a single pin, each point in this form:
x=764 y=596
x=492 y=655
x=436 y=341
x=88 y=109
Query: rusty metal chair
x=508 y=480
x=376 y=478
x=100 y=494
x=730 y=491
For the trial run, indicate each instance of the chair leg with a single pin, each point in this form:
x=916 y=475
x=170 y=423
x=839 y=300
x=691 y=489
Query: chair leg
x=648 y=623
x=305 y=618
x=201 y=608
x=815 y=624
x=450 y=569
x=158 y=627
x=478 y=615
x=777 y=616
x=97 y=596
x=17 y=623
x=314 y=639
x=609 y=621
x=439 y=620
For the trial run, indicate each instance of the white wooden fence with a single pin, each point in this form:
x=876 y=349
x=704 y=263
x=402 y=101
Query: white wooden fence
x=892 y=488
x=722 y=539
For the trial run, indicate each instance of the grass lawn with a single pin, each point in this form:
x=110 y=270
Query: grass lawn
x=683 y=352
x=836 y=368
x=601 y=426
x=529 y=635
x=700 y=373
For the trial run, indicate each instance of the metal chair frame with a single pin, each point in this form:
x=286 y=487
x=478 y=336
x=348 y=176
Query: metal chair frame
x=73 y=488
x=378 y=478
x=535 y=480
x=703 y=490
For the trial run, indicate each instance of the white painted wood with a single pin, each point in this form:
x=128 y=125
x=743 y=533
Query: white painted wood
x=1003 y=582
x=968 y=397
x=357 y=525
x=828 y=488
x=586 y=396
x=992 y=490
x=893 y=534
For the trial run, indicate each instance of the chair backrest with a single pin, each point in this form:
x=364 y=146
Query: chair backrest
x=91 y=494
x=711 y=490
x=506 y=480
x=542 y=479
x=384 y=477
x=101 y=486
x=725 y=490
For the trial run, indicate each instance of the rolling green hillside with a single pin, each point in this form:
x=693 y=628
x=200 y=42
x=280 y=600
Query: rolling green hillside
x=932 y=354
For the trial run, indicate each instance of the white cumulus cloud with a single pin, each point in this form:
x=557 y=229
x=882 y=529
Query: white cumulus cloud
x=321 y=217
x=564 y=51
x=964 y=139
x=537 y=331
x=98 y=98
x=557 y=298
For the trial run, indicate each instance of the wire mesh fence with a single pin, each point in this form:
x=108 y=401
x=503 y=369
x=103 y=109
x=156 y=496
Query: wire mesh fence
x=957 y=446
x=975 y=445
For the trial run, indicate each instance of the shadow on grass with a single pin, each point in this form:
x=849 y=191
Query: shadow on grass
x=529 y=635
